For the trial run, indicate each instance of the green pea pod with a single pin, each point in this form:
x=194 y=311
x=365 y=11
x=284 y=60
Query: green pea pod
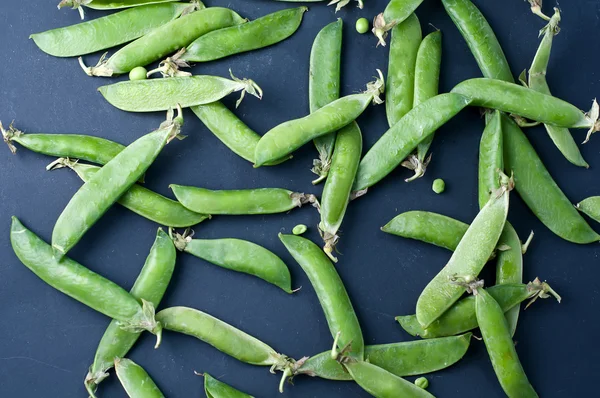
x=108 y=4
x=402 y=359
x=238 y=255
x=164 y=40
x=163 y=94
x=135 y=380
x=289 y=136
x=214 y=388
x=230 y=130
x=83 y=285
x=537 y=188
x=105 y=187
x=382 y=384
x=591 y=207
x=403 y=137
x=106 y=32
x=396 y=12
x=243 y=201
x=471 y=254
x=324 y=87
x=490 y=158
x=331 y=292
x=338 y=186
x=480 y=38
x=150 y=285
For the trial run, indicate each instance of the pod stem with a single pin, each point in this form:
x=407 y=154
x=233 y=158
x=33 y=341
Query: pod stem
x=525 y=245
x=552 y=28
x=8 y=135
x=419 y=166
x=470 y=283
x=146 y=321
x=181 y=240
x=330 y=241
x=246 y=86
x=170 y=66
x=542 y=290
x=381 y=29
x=376 y=88
x=75 y=5
x=536 y=8
x=593 y=115
x=174 y=124
x=321 y=167
x=507 y=184
x=301 y=199
x=99 y=70
x=92 y=380
x=342 y=3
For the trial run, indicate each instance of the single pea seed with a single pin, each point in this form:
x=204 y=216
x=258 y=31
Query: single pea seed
x=422 y=382
x=362 y=25
x=439 y=186
x=299 y=229
x=138 y=73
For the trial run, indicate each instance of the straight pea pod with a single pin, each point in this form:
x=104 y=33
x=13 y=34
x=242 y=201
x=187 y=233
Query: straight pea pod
x=135 y=380
x=396 y=12
x=214 y=388
x=106 y=4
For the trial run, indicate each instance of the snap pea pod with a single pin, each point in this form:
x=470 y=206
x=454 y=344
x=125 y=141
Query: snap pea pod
x=339 y=4
x=238 y=255
x=291 y=135
x=163 y=94
x=106 y=32
x=402 y=359
x=108 y=4
x=135 y=380
x=338 y=186
x=324 y=87
x=164 y=40
x=109 y=183
x=490 y=158
x=537 y=188
x=83 y=285
x=243 y=201
x=230 y=130
x=214 y=388
x=396 y=12
x=403 y=137
x=591 y=207
x=151 y=284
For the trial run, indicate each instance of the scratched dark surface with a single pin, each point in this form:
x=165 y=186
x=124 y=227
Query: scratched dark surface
x=47 y=340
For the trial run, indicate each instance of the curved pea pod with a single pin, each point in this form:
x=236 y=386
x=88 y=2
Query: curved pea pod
x=109 y=183
x=403 y=137
x=537 y=188
x=164 y=40
x=396 y=12
x=214 y=388
x=242 y=201
x=590 y=207
x=428 y=227
x=163 y=94
x=238 y=255
x=106 y=32
x=331 y=292
x=324 y=87
x=135 y=380
x=289 y=136
x=471 y=254
x=151 y=284
x=338 y=186
x=83 y=285
x=402 y=359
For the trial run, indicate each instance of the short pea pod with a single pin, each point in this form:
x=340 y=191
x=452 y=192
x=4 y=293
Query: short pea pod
x=403 y=137
x=591 y=207
x=396 y=12
x=238 y=255
x=338 y=186
x=537 y=188
x=331 y=292
x=164 y=40
x=242 y=201
x=214 y=388
x=109 y=183
x=471 y=254
x=83 y=285
x=150 y=285
x=135 y=380
x=291 y=135
x=324 y=87
x=402 y=359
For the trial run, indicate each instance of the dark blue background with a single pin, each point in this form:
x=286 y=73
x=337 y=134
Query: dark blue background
x=47 y=340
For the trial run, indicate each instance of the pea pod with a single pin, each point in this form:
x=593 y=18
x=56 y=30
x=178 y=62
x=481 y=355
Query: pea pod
x=537 y=188
x=289 y=136
x=404 y=136
x=164 y=40
x=402 y=359
x=214 y=388
x=396 y=12
x=243 y=201
x=83 y=285
x=135 y=380
x=336 y=193
x=106 y=4
x=591 y=207
x=105 y=187
x=324 y=87
x=238 y=255
x=490 y=157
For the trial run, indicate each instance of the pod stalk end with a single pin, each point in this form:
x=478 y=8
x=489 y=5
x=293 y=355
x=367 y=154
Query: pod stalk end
x=8 y=135
x=593 y=117
x=99 y=70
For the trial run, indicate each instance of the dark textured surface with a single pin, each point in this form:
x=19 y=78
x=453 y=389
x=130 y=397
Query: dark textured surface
x=48 y=340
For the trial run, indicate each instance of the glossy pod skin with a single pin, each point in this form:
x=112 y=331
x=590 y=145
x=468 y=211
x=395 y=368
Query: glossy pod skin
x=150 y=285
x=509 y=267
x=591 y=207
x=324 y=87
x=490 y=158
x=402 y=359
x=396 y=12
x=537 y=188
x=108 y=4
x=402 y=138
x=214 y=388
x=242 y=201
x=135 y=380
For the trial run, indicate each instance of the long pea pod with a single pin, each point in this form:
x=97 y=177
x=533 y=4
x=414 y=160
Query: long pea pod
x=291 y=135
x=590 y=207
x=135 y=380
x=396 y=12
x=151 y=284
x=402 y=138
x=107 y=4
x=537 y=188
x=324 y=87
x=83 y=285
x=238 y=255
x=214 y=388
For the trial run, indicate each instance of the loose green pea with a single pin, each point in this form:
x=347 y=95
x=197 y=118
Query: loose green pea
x=422 y=382
x=299 y=229
x=438 y=186
x=362 y=25
x=138 y=73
